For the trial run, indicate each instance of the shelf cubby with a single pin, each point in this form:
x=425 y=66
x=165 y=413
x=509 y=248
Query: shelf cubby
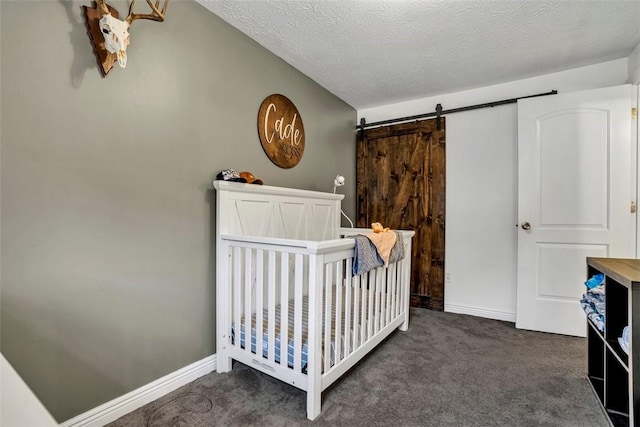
x=613 y=374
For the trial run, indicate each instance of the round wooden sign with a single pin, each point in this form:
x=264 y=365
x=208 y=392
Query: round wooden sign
x=281 y=131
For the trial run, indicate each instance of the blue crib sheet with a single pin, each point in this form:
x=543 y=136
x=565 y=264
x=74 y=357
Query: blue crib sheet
x=265 y=346
x=290 y=341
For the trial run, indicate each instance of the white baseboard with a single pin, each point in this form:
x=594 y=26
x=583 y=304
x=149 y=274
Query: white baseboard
x=135 y=399
x=480 y=312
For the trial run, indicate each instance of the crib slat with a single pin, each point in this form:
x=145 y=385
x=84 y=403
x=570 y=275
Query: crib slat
x=399 y=286
x=246 y=280
x=284 y=309
x=383 y=300
x=376 y=301
x=370 y=314
x=259 y=301
x=382 y=274
x=395 y=290
x=338 y=313
x=326 y=342
x=392 y=309
x=383 y=297
x=356 y=311
x=237 y=296
x=347 y=304
x=272 y=306
x=387 y=295
x=364 y=326
x=297 y=310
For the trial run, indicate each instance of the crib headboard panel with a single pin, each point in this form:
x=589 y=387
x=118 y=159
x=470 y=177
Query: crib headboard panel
x=266 y=211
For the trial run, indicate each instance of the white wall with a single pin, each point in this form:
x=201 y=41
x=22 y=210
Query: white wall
x=634 y=66
x=481 y=233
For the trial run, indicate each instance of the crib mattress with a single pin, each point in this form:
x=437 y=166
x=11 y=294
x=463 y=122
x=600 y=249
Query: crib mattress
x=290 y=342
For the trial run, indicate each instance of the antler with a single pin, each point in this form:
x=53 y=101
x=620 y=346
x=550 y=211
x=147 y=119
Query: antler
x=157 y=15
x=102 y=6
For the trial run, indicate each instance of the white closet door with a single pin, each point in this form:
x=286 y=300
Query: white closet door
x=576 y=183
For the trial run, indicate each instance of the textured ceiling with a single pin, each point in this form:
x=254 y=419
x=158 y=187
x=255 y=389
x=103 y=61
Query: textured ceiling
x=377 y=52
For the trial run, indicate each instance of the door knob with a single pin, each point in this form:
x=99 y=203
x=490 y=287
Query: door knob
x=526 y=226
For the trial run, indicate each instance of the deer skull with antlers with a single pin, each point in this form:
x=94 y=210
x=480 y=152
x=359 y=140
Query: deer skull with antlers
x=110 y=35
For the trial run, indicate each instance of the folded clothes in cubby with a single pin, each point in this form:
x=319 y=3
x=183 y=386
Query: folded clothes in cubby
x=595 y=280
x=592 y=303
x=624 y=340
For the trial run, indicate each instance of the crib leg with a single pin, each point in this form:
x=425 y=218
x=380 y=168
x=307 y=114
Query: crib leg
x=313 y=405
x=404 y=326
x=223 y=363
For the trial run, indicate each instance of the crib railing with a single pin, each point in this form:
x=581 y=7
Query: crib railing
x=293 y=309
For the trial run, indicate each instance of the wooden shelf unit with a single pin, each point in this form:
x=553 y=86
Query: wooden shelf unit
x=614 y=375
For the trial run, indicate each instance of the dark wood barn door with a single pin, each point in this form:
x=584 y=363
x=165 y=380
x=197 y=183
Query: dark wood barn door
x=400 y=179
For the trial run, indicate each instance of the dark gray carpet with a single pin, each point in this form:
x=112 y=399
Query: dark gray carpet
x=447 y=370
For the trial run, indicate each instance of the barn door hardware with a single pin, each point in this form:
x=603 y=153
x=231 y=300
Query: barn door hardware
x=363 y=124
x=440 y=112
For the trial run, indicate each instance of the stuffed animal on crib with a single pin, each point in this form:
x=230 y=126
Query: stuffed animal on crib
x=378 y=228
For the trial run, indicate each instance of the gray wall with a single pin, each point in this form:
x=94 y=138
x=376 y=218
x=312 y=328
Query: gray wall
x=107 y=246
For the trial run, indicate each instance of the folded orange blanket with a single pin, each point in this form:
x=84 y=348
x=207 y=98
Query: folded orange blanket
x=383 y=239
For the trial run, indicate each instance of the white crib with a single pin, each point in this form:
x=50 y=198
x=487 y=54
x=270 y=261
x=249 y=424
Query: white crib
x=281 y=252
